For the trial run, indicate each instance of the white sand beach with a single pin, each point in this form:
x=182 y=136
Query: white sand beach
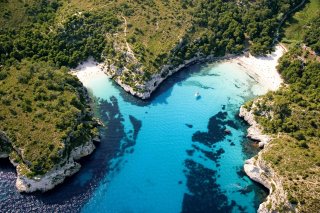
x=87 y=70
x=263 y=69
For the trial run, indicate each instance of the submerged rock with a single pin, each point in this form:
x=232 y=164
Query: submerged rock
x=189 y=125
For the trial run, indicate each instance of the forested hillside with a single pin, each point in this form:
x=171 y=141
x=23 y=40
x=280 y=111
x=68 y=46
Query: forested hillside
x=44 y=30
x=157 y=32
x=312 y=36
x=292 y=116
x=44 y=114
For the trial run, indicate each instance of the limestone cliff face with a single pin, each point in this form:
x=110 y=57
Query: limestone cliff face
x=66 y=167
x=149 y=86
x=255 y=130
x=55 y=176
x=260 y=171
x=47 y=181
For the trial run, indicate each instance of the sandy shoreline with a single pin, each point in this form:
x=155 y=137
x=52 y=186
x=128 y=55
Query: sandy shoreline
x=262 y=69
x=87 y=70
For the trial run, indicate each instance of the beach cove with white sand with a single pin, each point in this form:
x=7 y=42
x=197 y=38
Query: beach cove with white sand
x=159 y=106
x=199 y=167
x=263 y=68
x=172 y=153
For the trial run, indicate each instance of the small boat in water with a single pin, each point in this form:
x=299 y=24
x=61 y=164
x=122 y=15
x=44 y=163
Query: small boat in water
x=227 y=131
x=197 y=94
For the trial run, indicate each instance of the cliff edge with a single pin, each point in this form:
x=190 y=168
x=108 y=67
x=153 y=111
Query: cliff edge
x=260 y=171
x=57 y=175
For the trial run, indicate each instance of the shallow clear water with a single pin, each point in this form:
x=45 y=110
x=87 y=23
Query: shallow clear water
x=167 y=154
x=179 y=161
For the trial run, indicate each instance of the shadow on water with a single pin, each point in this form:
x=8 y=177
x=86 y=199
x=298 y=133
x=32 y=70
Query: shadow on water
x=5 y=165
x=204 y=194
x=76 y=190
x=115 y=142
x=251 y=148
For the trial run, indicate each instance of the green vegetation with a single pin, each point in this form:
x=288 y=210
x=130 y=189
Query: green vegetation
x=312 y=37
x=80 y=36
x=295 y=28
x=44 y=111
x=5 y=146
x=294 y=110
x=44 y=114
x=170 y=32
x=154 y=33
x=39 y=39
x=292 y=114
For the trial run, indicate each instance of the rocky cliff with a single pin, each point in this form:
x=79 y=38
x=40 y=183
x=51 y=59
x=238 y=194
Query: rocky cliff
x=255 y=131
x=77 y=143
x=57 y=175
x=260 y=171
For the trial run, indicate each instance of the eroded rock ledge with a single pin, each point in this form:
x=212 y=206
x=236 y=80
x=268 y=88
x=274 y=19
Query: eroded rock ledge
x=255 y=131
x=57 y=175
x=260 y=171
x=66 y=167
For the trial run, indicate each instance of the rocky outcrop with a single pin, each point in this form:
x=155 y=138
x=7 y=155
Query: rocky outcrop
x=83 y=150
x=67 y=167
x=258 y=170
x=57 y=175
x=146 y=88
x=255 y=131
x=46 y=182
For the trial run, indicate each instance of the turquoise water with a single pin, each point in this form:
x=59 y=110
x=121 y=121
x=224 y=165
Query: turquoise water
x=174 y=153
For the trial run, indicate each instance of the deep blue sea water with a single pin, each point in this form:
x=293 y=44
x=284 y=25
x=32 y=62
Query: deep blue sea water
x=167 y=154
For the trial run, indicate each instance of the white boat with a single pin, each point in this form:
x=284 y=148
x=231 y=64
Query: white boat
x=197 y=94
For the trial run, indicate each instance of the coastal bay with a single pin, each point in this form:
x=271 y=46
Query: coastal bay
x=159 y=121
x=129 y=187
x=174 y=168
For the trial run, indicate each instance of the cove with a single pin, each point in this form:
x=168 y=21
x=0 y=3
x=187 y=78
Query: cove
x=177 y=152
x=166 y=154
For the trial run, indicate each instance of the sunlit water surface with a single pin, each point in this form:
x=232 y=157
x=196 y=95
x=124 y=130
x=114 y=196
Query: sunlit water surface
x=173 y=153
